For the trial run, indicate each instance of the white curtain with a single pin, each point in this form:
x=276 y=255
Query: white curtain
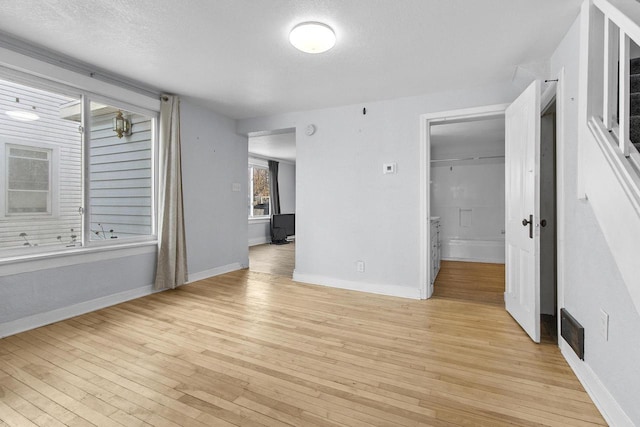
x=171 y=271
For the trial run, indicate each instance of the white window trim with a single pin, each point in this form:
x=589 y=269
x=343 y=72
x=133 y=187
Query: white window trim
x=54 y=173
x=260 y=164
x=155 y=119
x=72 y=256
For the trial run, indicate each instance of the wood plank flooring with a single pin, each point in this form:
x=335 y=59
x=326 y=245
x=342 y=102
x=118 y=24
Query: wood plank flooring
x=273 y=259
x=256 y=349
x=470 y=281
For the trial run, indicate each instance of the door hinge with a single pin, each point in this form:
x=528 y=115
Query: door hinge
x=81 y=210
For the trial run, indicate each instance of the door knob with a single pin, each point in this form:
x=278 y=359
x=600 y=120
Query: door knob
x=543 y=222
x=529 y=222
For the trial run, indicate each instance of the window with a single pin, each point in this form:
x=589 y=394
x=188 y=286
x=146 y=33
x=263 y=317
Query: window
x=259 y=199
x=70 y=180
x=28 y=180
x=121 y=174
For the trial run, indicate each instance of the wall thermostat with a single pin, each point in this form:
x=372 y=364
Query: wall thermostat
x=311 y=129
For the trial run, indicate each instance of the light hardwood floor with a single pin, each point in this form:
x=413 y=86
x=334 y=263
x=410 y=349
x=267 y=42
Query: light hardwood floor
x=470 y=281
x=273 y=259
x=251 y=349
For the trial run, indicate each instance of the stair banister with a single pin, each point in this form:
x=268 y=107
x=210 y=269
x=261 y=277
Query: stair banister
x=621 y=27
x=610 y=98
x=625 y=14
x=624 y=140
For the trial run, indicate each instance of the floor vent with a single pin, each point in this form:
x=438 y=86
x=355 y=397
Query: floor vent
x=572 y=332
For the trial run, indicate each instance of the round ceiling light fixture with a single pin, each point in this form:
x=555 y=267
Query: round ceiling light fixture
x=312 y=37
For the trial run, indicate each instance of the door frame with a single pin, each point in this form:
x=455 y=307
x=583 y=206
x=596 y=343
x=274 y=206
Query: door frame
x=488 y=111
x=426 y=120
x=561 y=193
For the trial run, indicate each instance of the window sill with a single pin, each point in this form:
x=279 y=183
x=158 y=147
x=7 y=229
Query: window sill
x=73 y=256
x=259 y=220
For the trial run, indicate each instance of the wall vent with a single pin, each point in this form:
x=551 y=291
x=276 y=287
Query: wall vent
x=572 y=332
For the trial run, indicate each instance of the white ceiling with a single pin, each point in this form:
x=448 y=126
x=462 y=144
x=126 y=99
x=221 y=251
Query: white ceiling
x=279 y=146
x=234 y=55
x=471 y=138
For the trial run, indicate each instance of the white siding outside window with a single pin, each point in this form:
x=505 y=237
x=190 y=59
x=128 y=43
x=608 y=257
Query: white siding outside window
x=23 y=226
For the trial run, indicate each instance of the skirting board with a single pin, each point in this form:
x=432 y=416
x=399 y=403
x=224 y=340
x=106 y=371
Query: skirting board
x=259 y=241
x=194 y=277
x=42 y=319
x=394 y=291
x=476 y=259
x=613 y=414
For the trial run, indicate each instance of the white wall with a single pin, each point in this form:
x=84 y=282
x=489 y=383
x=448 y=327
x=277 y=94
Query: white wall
x=259 y=232
x=346 y=209
x=591 y=279
x=287 y=187
x=213 y=158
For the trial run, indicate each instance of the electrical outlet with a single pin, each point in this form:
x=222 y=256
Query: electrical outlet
x=604 y=324
x=360 y=266
x=236 y=186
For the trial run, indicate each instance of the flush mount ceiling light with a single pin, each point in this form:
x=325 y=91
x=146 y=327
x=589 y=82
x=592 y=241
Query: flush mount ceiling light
x=312 y=37
x=23 y=115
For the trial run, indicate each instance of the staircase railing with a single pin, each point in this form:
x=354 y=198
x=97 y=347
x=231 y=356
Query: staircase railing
x=609 y=163
x=620 y=31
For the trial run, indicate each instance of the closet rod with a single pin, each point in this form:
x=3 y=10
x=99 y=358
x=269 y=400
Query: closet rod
x=467 y=158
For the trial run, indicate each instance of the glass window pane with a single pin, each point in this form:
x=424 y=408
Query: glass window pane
x=120 y=174
x=30 y=154
x=28 y=174
x=28 y=201
x=260 y=191
x=32 y=214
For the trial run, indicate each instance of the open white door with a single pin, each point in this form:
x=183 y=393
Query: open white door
x=522 y=188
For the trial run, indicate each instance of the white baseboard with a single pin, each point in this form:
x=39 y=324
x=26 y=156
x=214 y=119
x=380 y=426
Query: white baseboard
x=476 y=259
x=394 y=291
x=194 y=277
x=41 y=319
x=259 y=241
x=613 y=414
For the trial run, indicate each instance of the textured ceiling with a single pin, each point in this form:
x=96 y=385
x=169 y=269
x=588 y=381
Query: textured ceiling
x=234 y=55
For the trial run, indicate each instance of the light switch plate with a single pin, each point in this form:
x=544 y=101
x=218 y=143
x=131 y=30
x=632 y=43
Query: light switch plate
x=236 y=186
x=604 y=324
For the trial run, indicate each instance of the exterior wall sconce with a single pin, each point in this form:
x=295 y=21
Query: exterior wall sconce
x=121 y=125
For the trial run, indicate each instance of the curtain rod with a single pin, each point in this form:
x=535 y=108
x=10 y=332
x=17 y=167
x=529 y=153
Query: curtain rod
x=71 y=64
x=467 y=158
